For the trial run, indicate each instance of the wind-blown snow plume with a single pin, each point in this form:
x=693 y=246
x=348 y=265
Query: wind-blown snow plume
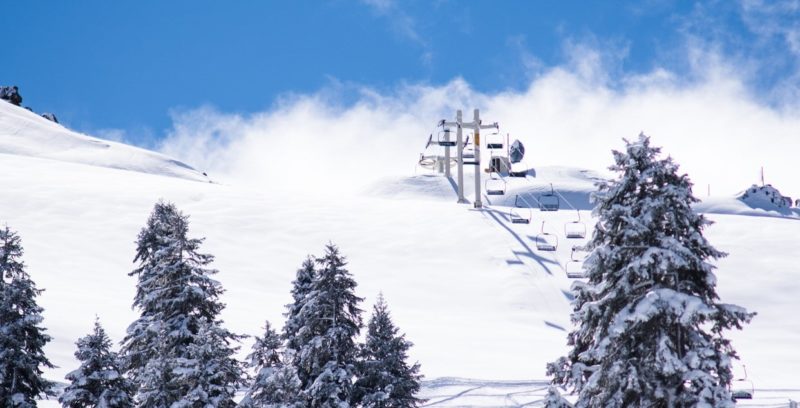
x=569 y=115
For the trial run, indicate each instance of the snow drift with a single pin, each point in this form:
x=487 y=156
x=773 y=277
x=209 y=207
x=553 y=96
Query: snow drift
x=25 y=133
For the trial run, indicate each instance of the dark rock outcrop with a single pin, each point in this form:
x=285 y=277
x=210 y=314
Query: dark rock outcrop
x=50 y=116
x=11 y=94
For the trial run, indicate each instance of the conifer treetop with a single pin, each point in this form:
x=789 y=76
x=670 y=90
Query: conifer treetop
x=322 y=328
x=99 y=380
x=266 y=349
x=22 y=338
x=385 y=377
x=178 y=327
x=649 y=323
x=11 y=264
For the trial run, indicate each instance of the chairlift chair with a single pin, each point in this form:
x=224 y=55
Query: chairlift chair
x=495 y=186
x=469 y=151
x=427 y=162
x=519 y=214
x=742 y=388
x=468 y=154
x=574 y=267
x=575 y=229
x=440 y=140
x=493 y=142
x=518 y=173
x=549 y=201
x=546 y=241
x=432 y=163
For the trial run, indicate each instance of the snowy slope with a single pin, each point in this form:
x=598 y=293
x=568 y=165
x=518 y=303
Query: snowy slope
x=468 y=287
x=23 y=132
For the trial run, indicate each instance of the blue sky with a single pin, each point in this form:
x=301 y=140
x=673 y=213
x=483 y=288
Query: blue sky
x=125 y=67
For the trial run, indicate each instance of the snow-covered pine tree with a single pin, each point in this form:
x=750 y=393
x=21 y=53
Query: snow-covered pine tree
x=555 y=400
x=177 y=298
x=98 y=382
x=333 y=387
x=649 y=321
x=276 y=384
x=385 y=378
x=208 y=370
x=22 y=339
x=326 y=353
x=157 y=385
x=301 y=287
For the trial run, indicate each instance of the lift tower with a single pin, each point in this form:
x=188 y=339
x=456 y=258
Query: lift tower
x=476 y=127
x=459 y=152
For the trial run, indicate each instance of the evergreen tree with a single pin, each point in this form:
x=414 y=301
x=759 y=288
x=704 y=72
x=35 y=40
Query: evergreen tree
x=22 y=339
x=177 y=299
x=98 y=382
x=326 y=352
x=301 y=287
x=555 y=400
x=208 y=370
x=649 y=321
x=333 y=386
x=266 y=350
x=385 y=379
x=276 y=384
x=157 y=384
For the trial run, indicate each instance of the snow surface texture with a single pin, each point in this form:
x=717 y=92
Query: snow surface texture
x=23 y=132
x=468 y=287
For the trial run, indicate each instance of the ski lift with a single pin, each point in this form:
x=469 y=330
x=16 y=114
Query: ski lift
x=549 y=201
x=441 y=140
x=498 y=164
x=574 y=267
x=495 y=186
x=494 y=140
x=432 y=164
x=426 y=165
x=519 y=169
x=575 y=229
x=427 y=161
x=516 y=152
x=469 y=151
x=742 y=388
x=519 y=214
x=546 y=241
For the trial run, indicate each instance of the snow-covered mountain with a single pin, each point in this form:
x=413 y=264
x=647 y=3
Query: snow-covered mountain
x=25 y=133
x=468 y=287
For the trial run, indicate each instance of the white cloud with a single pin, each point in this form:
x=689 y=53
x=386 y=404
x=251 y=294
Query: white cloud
x=403 y=24
x=531 y=64
x=776 y=26
x=569 y=115
x=774 y=18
